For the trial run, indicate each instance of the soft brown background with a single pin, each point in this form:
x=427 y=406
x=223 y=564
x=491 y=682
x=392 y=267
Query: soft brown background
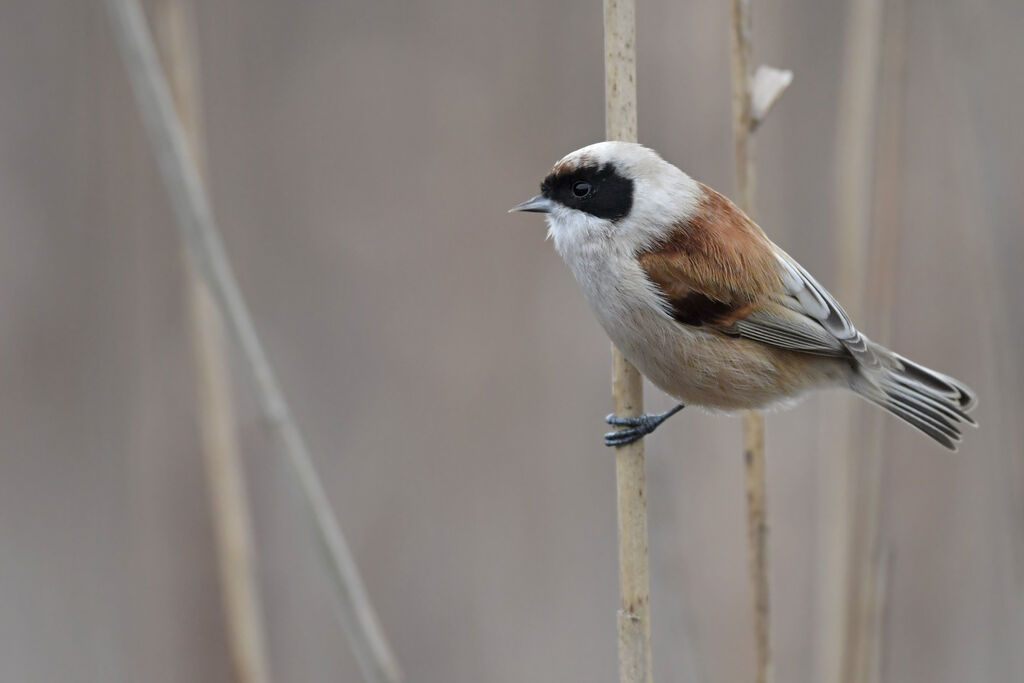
x=451 y=381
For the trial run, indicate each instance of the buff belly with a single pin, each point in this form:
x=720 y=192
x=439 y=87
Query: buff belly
x=708 y=369
x=696 y=365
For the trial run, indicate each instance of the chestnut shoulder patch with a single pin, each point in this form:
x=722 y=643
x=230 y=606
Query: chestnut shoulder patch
x=714 y=266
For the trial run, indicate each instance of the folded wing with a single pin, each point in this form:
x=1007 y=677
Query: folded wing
x=719 y=271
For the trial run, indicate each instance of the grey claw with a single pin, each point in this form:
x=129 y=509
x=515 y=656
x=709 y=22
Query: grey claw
x=623 y=438
x=636 y=427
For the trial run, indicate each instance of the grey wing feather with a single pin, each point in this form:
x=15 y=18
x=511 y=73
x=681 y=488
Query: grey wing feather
x=931 y=401
x=784 y=326
x=806 y=318
x=815 y=301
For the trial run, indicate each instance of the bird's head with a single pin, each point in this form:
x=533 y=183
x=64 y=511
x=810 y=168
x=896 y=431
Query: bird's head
x=612 y=190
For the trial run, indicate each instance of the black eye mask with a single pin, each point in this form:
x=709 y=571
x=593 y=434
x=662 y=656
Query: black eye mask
x=597 y=190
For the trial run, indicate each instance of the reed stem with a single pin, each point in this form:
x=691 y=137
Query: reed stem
x=202 y=237
x=229 y=504
x=627 y=385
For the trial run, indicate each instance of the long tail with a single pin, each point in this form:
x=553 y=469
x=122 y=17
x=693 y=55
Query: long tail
x=934 y=403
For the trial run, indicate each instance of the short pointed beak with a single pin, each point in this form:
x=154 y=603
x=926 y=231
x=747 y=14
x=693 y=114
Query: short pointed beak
x=538 y=204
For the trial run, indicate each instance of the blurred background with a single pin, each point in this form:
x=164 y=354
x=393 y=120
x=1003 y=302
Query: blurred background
x=448 y=375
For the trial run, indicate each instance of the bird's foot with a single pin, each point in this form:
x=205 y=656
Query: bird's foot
x=636 y=428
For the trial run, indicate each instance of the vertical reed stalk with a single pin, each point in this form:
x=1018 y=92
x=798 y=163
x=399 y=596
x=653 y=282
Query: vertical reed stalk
x=627 y=385
x=753 y=421
x=229 y=505
x=864 y=641
x=847 y=527
x=753 y=96
x=202 y=237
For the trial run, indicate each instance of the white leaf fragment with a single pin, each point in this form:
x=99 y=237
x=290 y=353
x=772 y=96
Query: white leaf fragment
x=766 y=87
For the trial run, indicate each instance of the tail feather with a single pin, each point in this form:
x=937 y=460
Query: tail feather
x=926 y=426
x=932 y=402
x=924 y=413
x=951 y=409
x=941 y=383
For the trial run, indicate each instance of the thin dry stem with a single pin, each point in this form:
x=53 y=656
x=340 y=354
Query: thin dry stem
x=229 y=503
x=742 y=112
x=634 y=573
x=855 y=133
x=201 y=235
x=627 y=384
x=757 y=540
x=744 y=123
x=847 y=529
x=864 y=643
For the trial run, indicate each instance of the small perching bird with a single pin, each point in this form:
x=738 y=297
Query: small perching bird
x=698 y=298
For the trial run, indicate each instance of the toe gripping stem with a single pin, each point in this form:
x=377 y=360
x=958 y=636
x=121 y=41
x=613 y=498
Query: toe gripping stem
x=636 y=428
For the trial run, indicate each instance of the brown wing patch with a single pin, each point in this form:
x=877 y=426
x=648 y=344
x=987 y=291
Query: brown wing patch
x=699 y=309
x=713 y=267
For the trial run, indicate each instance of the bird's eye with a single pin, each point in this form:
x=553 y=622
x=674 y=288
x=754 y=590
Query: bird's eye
x=581 y=188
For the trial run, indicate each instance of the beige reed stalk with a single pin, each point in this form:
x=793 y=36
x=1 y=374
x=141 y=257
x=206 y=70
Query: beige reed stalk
x=846 y=524
x=202 y=237
x=752 y=97
x=753 y=421
x=229 y=505
x=864 y=643
x=634 y=615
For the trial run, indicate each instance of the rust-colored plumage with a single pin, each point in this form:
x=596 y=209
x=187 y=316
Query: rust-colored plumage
x=714 y=268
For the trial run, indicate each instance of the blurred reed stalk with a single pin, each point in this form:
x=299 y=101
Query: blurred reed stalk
x=627 y=385
x=980 y=248
x=229 y=505
x=869 y=559
x=202 y=237
x=753 y=95
x=874 y=566
x=753 y=421
x=851 y=601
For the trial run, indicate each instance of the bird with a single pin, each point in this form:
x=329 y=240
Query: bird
x=708 y=308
